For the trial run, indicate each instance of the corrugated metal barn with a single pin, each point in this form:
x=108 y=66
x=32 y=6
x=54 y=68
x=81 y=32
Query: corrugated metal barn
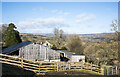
x=38 y=52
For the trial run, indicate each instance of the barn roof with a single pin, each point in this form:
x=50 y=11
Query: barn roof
x=77 y=55
x=15 y=47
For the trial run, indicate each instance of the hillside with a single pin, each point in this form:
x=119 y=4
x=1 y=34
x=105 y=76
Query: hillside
x=91 y=38
x=97 y=38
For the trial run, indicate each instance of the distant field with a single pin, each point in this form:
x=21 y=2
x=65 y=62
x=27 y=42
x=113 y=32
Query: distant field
x=92 y=38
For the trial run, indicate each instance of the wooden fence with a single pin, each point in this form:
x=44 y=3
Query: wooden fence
x=101 y=70
x=44 y=67
x=37 y=67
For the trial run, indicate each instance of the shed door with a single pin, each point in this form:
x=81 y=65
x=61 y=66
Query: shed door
x=61 y=56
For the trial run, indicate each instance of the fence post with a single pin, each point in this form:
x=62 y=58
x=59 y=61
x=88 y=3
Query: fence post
x=102 y=71
x=107 y=70
x=63 y=66
x=119 y=68
x=39 y=67
x=22 y=62
x=57 y=66
x=60 y=68
x=116 y=70
x=69 y=65
x=91 y=66
x=112 y=70
x=81 y=66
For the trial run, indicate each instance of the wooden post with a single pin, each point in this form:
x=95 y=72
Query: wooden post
x=81 y=66
x=112 y=70
x=119 y=70
x=107 y=70
x=116 y=70
x=68 y=65
x=57 y=66
x=91 y=66
x=22 y=62
x=39 y=67
x=102 y=71
x=63 y=66
x=119 y=67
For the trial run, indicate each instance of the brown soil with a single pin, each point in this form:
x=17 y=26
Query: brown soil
x=68 y=73
x=72 y=74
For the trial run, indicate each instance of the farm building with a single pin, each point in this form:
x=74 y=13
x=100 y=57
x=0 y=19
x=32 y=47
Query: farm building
x=47 y=44
x=78 y=58
x=72 y=56
x=38 y=52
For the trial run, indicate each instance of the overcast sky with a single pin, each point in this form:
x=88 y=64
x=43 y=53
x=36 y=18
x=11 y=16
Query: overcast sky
x=72 y=17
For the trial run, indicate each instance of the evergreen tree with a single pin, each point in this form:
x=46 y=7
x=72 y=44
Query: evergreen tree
x=11 y=35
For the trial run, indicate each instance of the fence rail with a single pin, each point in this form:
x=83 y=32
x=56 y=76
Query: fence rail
x=37 y=67
x=87 y=66
x=44 y=67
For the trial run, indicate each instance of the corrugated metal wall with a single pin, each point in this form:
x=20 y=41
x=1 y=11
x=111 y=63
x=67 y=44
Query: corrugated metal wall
x=38 y=52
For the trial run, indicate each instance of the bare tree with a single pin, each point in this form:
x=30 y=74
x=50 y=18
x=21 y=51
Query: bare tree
x=59 y=37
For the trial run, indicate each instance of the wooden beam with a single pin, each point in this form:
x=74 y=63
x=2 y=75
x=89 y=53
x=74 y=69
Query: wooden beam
x=10 y=60
x=10 y=63
x=22 y=62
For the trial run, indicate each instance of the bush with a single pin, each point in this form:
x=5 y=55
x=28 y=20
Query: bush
x=53 y=46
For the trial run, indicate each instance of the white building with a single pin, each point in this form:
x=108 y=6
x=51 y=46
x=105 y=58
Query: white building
x=77 y=58
x=72 y=56
x=47 y=44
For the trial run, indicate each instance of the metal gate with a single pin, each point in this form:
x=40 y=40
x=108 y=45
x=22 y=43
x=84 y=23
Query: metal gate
x=110 y=70
x=63 y=66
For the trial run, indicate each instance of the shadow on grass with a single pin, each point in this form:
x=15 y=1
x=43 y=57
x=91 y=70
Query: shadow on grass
x=14 y=71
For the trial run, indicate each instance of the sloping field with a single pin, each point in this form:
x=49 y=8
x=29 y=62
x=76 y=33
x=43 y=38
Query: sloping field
x=72 y=72
x=10 y=70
